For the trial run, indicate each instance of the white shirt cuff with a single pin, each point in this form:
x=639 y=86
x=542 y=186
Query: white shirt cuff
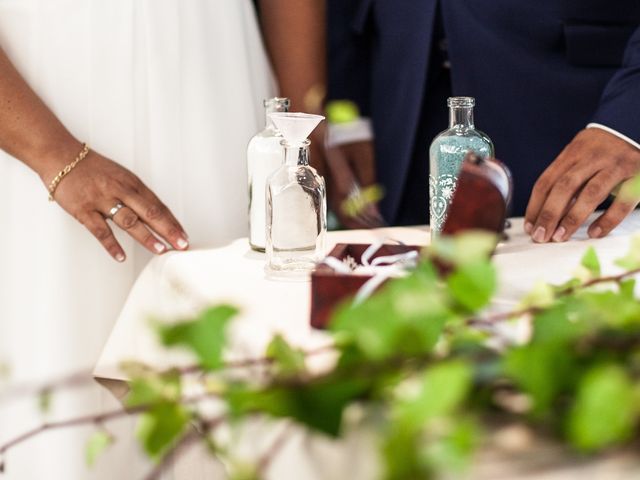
x=616 y=133
x=359 y=130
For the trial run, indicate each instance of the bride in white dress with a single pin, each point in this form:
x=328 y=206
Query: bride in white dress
x=166 y=93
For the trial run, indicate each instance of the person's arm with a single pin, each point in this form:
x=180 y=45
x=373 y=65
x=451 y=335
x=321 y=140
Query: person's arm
x=593 y=164
x=295 y=36
x=295 y=33
x=30 y=132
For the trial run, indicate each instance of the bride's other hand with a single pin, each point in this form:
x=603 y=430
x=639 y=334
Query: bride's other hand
x=97 y=187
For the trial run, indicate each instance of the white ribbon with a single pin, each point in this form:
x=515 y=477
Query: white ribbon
x=381 y=269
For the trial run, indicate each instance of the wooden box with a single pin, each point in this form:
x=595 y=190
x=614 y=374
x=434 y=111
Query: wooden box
x=480 y=202
x=330 y=288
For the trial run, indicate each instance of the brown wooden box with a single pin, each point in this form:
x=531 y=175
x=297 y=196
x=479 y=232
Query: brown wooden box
x=329 y=288
x=480 y=202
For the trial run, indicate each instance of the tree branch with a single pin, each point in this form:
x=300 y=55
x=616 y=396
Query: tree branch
x=267 y=458
x=91 y=419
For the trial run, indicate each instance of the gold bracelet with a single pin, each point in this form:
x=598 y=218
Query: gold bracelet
x=65 y=171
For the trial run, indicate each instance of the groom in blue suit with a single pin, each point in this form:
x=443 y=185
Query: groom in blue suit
x=541 y=71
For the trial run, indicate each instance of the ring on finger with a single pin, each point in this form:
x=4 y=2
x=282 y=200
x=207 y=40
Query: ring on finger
x=112 y=213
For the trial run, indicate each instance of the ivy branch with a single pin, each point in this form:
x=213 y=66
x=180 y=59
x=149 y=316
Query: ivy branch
x=416 y=352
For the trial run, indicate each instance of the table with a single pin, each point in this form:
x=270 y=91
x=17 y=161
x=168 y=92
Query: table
x=179 y=284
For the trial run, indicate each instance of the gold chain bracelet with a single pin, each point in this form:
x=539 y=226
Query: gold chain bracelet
x=65 y=171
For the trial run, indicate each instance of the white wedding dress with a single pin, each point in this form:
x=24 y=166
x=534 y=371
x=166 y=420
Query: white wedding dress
x=171 y=89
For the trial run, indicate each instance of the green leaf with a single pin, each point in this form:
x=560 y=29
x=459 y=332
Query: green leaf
x=342 y=111
x=97 y=444
x=287 y=360
x=542 y=371
x=44 y=401
x=473 y=285
x=591 y=262
x=243 y=471
x=154 y=388
x=605 y=410
x=453 y=450
x=160 y=426
x=628 y=288
x=629 y=190
x=442 y=389
x=204 y=336
x=426 y=407
x=405 y=318
x=543 y=295
x=356 y=204
x=631 y=261
x=562 y=323
x=401 y=451
x=318 y=404
x=613 y=308
x=465 y=248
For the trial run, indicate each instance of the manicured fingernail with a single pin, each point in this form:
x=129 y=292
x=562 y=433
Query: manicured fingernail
x=558 y=236
x=528 y=226
x=120 y=258
x=182 y=243
x=159 y=247
x=596 y=233
x=539 y=234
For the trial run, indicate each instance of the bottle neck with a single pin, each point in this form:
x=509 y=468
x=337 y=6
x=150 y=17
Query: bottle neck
x=296 y=154
x=272 y=106
x=461 y=117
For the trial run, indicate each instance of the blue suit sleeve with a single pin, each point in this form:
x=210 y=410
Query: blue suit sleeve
x=620 y=103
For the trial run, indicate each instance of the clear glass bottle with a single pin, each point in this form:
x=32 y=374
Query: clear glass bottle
x=296 y=210
x=446 y=155
x=264 y=156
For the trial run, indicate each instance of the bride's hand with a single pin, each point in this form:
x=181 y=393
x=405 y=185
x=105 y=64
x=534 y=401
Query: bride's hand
x=97 y=185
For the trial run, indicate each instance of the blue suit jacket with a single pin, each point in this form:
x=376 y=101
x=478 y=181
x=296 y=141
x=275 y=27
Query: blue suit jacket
x=540 y=70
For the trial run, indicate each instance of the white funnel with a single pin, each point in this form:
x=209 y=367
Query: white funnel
x=295 y=127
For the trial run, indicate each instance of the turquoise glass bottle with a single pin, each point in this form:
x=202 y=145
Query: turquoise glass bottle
x=446 y=154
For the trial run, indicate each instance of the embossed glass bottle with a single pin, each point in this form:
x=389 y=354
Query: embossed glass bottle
x=446 y=154
x=296 y=203
x=264 y=156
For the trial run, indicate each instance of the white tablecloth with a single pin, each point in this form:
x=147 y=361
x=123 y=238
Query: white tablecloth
x=179 y=284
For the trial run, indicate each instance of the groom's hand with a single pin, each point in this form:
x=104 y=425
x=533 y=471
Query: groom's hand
x=351 y=167
x=579 y=180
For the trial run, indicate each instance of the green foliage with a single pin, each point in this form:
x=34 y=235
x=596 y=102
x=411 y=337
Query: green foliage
x=318 y=404
x=204 y=336
x=342 y=111
x=423 y=432
x=45 y=400
x=466 y=248
x=542 y=371
x=406 y=317
x=355 y=205
x=287 y=360
x=154 y=387
x=629 y=191
x=96 y=445
x=415 y=357
x=473 y=285
x=439 y=392
x=631 y=261
x=591 y=262
x=160 y=426
x=605 y=411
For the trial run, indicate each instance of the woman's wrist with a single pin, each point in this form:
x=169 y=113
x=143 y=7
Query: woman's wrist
x=50 y=159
